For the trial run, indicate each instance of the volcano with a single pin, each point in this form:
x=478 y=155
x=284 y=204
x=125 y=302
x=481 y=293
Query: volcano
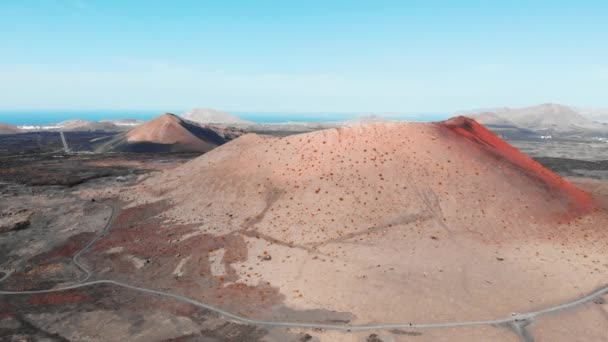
x=382 y=222
x=371 y=174
x=170 y=133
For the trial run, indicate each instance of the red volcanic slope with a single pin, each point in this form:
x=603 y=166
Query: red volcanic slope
x=332 y=184
x=579 y=201
x=168 y=132
x=58 y=298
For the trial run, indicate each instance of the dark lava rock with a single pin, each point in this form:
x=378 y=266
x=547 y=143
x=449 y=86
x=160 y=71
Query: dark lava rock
x=305 y=338
x=15 y=220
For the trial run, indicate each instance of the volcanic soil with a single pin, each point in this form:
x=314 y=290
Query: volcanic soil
x=386 y=222
x=170 y=133
x=366 y=225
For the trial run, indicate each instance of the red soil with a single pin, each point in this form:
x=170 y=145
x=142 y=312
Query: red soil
x=578 y=201
x=6 y=309
x=58 y=298
x=70 y=247
x=140 y=232
x=169 y=129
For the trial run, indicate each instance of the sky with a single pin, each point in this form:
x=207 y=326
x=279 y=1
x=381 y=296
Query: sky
x=301 y=56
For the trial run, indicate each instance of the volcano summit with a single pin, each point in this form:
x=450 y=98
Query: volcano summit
x=170 y=133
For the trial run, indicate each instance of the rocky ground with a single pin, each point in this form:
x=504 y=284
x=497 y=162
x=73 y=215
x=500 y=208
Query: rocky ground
x=48 y=142
x=578 y=150
x=53 y=205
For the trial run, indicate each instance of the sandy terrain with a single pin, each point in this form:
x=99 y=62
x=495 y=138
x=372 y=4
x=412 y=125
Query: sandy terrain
x=588 y=322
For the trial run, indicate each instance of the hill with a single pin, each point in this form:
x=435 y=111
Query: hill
x=211 y=116
x=598 y=115
x=434 y=157
x=381 y=222
x=489 y=118
x=547 y=118
x=169 y=133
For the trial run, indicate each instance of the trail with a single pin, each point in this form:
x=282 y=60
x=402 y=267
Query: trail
x=103 y=232
x=513 y=321
x=342 y=327
x=31 y=154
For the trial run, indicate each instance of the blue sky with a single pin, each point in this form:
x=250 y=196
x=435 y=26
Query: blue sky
x=317 y=56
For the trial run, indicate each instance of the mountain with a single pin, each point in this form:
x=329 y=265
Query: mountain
x=598 y=115
x=548 y=116
x=489 y=118
x=545 y=119
x=169 y=133
x=211 y=116
x=504 y=128
x=476 y=111
x=366 y=157
x=359 y=221
x=9 y=129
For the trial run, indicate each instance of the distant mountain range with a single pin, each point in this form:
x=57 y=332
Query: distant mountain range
x=542 y=121
x=598 y=115
x=548 y=120
x=212 y=116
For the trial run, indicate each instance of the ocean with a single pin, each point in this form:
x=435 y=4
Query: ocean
x=21 y=117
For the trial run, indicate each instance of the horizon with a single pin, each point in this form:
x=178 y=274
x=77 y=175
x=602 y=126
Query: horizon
x=42 y=117
x=318 y=57
x=25 y=117
x=321 y=170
